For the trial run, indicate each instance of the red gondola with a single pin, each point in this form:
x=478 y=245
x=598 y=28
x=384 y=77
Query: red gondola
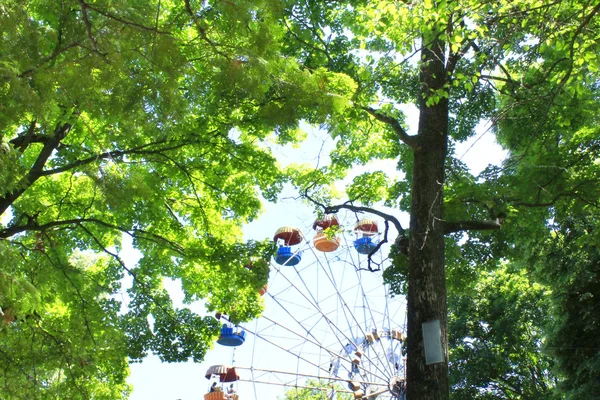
x=367 y=227
x=327 y=221
x=289 y=235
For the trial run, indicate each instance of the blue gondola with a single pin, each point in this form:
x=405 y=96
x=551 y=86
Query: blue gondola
x=231 y=336
x=285 y=256
x=365 y=245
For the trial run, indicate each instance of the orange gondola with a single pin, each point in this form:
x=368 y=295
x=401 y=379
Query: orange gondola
x=263 y=290
x=326 y=244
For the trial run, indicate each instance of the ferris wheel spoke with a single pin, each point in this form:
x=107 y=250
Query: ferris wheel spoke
x=386 y=361
x=347 y=311
x=290 y=385
x=334 y=326
x=327 y=320
x=274 y=372
x=282 y=348
x=316 y=343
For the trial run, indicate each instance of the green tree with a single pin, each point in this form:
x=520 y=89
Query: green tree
x=552 y=182
x=150 y=120
x=568 y=263
x=153 y=119
x=496 y=336
x=459 y=62
x=317 y=390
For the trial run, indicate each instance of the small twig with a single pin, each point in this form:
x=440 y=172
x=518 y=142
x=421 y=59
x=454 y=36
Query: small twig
x=376 y=248
x=202 y=31
x=116 y=18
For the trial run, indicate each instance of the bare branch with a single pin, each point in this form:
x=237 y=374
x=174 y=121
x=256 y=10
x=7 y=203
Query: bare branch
x=347 y=206
x=376 y=248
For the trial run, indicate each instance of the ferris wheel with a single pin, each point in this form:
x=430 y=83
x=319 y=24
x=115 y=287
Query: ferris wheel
x=330 y=324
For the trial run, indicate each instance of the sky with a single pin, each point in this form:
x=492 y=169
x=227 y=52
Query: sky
x=323 y=300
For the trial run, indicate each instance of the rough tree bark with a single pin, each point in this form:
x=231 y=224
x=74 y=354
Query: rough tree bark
x=426 y=264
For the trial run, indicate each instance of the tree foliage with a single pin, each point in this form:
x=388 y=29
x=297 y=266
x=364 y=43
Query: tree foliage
x=154 y=120
x=496 y=339
x=316 y=390
x=528 y=68
x=147 y=120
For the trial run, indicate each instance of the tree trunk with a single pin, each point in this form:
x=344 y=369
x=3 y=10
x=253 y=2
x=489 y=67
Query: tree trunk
x=426 y=264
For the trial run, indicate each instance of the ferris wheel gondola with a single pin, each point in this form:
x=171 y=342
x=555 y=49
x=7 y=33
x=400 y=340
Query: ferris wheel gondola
x=329 y=324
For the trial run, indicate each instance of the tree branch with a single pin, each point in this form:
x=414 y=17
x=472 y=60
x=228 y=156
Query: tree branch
x=202 y=31
x=22 y=141
x=116 y=18
x=36 y=170
x=88 y=26
x=347 y=206
x=458 y=226
x=134 y=233
x=376 y=248
x=139 y=150
x=411 y=141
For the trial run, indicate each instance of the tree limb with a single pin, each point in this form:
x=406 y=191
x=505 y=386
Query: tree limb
x=36 y=170
x=134 y=233
x=458 y=226
x=347 y=206
x=202 y=31
x=411 y=141
x=88 y=26
x=22 y=142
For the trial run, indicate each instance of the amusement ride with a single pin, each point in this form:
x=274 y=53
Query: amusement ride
x=330 y=323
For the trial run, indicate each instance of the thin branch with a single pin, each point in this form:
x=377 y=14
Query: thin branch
x=456 y=57
x=308 y=45
x=411 y=141
x=582 y=25
x=117 y=18
x=22 y=141
x=130 y=272
x=88 y=26
x=112 y=155
x=202 y=31
x=138 y=150
x=51 y=57
x=134 y=233
x=376 y=248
